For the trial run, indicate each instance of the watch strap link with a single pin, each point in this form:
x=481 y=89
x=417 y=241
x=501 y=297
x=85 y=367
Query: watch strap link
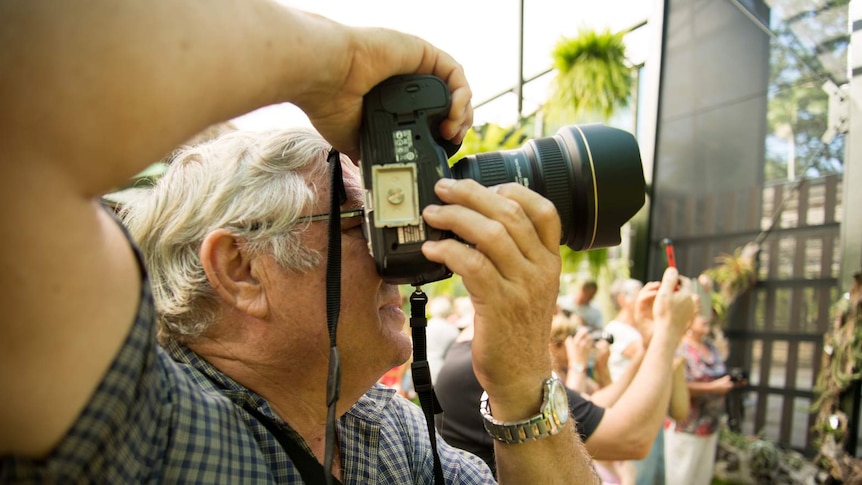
x=538 y=427
x=542 y=425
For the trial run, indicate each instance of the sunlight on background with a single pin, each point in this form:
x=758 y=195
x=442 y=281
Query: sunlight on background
x=482 y=35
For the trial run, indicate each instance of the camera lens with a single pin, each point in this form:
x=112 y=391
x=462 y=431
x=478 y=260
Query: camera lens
x=601 y=335
x=592 y=173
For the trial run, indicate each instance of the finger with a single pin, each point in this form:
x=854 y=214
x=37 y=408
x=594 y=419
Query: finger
x=647 y=294
x=491 y=239
x=538 y=209
x=685 y=283
x=668 y=282
x=530 y=219
x=651 y=287
x=492 y=217
x=462 y=260
x=460 y=117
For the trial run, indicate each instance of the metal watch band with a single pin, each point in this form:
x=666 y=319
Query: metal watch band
x=546 y=423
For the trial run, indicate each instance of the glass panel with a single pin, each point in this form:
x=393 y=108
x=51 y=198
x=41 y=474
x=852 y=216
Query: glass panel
x=799 y=429
x=787 y=248
x=778 y=365
x=805 y=377
x=781 y=321
x=813 y=258
x=808 y=47
x=760 y=310
x=756 y=360
x=772 y=426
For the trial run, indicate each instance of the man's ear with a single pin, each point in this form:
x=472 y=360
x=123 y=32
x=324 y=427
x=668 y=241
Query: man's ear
x=229 y=270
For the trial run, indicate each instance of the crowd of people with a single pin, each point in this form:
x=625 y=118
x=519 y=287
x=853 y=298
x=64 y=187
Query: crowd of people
x=191 y=339
x=582 y=357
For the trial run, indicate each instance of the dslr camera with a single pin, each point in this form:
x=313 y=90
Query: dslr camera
x=602 y=335
x=592 y=173
x=738 y=375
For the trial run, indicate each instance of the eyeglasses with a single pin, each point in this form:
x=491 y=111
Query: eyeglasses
x=348 y=214
x=325 y=217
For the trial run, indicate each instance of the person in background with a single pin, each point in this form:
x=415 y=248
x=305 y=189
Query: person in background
x=690 y=443
x=583 y=306
x=617 y=422
x=628 y=340
x=440 y=333
x=92 y=93
x=572 y=347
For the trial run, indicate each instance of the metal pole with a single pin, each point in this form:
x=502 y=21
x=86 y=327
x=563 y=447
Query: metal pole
x=851 y=225
x=519 y=90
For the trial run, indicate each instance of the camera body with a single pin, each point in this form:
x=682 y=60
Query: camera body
x=591 y=173
x=738 y=375
x=602 y=335
x=402 y=157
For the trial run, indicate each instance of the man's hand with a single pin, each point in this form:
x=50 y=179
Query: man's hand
x=368 y=57
x=511 y=267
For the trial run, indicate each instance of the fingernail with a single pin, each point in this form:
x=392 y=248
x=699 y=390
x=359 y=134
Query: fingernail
x=430 y=209
x=445 y=183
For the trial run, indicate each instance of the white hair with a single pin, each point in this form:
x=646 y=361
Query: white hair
x=627 y=288
x=256 y=184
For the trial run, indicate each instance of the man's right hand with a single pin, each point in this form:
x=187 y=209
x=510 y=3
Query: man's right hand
x=369 y=56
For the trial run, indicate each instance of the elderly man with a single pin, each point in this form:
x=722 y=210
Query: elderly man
x=240 y=287
x=91 y=94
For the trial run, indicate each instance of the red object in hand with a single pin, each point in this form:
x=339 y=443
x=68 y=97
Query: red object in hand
x=671 y=258
x=668 y=249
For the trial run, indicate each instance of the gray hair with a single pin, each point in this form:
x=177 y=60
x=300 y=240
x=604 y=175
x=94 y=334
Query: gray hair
x=256 y=184
x=627 y=287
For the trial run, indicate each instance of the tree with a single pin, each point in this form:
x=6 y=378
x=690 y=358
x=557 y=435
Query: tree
x=798 y=106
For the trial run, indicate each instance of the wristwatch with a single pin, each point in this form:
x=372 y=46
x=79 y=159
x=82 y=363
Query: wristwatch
x=551 y=419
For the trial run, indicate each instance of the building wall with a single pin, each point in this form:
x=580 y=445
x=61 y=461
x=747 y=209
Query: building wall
x=712 y=115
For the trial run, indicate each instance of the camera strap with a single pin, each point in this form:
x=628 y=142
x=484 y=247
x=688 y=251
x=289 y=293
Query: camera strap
x=309 y=469
x=421 y=373
x=418 y=322
x=337 y=196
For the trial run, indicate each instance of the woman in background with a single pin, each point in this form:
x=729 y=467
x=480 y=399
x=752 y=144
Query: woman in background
x=690 y=443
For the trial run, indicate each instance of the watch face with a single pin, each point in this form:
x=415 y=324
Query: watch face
x=560 y=401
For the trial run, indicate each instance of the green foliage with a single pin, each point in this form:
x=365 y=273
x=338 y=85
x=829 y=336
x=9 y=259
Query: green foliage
x=489 y=138
x=734 y=274
x=593 y=77
x=150 y=174
x=798 y=106
x=753 y=460
x=573 y=260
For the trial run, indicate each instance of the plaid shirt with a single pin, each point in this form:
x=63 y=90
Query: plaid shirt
x=164 y=415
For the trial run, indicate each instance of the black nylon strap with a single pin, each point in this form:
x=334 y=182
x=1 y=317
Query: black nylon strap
x=307 y=465
x=422 y=375
x=337 y=196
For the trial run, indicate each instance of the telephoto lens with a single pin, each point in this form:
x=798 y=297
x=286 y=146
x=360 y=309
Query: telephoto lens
x=592 y=173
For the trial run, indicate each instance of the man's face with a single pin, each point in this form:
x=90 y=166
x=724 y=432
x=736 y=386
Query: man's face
x=371 y=337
